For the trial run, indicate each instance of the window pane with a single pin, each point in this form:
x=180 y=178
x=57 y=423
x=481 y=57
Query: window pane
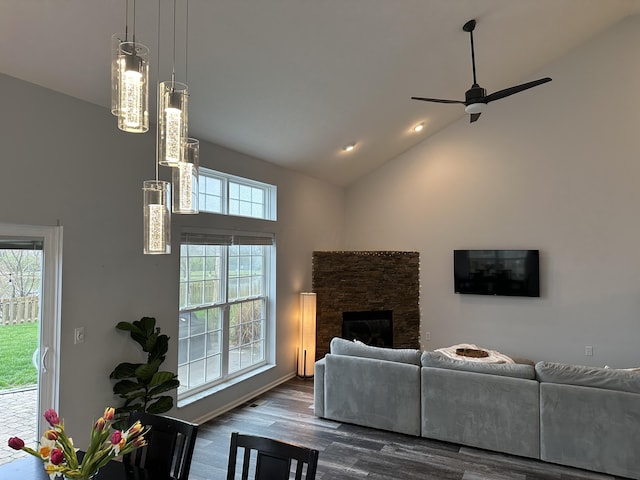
x=234 y=207
x=183 y=326
x=196 y=348
x=183 y=351
x=214 y=320
x=183 y=376
x=213 y=343
x=213 y=368
x=196 y=373
x=198 y=322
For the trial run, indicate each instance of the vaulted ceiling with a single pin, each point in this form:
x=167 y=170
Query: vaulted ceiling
x=294 y=81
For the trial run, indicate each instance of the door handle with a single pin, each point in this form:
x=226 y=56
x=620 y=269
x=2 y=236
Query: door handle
x=43 y=361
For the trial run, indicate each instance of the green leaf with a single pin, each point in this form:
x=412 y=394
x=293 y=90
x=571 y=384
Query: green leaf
x=147 y=370
x=125 y=370
x=161 y=377
x=160 y=348
x=165 y=387
x=161 y=405
x=125 y=387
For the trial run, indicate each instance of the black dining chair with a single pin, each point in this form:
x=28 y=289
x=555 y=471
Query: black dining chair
x=270 y=459
x=169 y=448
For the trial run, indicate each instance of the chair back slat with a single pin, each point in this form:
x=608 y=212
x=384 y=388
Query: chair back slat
x=170 y=444
x=273 y=459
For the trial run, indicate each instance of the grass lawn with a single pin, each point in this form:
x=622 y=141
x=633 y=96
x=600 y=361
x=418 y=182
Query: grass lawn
x=17 y=344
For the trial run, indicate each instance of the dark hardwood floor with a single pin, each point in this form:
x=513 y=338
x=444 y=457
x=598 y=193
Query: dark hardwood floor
x=350 y=452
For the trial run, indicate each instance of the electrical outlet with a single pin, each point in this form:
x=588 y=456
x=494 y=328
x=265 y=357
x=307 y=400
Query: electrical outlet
x=588 y=350
x=427 y=336
x=78 y=335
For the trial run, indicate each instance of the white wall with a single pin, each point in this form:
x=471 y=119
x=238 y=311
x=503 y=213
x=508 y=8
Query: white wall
x=555 y=168
x=65 y=160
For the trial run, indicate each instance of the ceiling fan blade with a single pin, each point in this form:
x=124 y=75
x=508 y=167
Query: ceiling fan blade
x=436 y=100
x=512 y=90
x=474 y=117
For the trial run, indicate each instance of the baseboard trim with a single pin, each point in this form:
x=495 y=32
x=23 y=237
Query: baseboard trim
x=244 y=399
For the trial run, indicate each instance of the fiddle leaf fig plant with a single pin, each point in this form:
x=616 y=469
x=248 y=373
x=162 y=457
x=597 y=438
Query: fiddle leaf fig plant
x=143 y=385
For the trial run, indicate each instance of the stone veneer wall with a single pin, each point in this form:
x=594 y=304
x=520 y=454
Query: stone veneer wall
x=359 y=281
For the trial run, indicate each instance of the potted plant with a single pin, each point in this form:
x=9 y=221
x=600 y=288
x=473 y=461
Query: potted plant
x=143 y=386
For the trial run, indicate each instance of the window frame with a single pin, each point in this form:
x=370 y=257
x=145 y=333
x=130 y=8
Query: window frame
x=270 y=194
x=237 y=238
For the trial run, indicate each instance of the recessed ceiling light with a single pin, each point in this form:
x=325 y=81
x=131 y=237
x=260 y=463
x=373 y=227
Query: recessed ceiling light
x=418 y=127
x=348 y=148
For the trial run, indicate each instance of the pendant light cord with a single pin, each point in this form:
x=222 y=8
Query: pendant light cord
x=173 y=70
x=158 y=88
x=134 y=24
x=186 y=49
x=126 y=21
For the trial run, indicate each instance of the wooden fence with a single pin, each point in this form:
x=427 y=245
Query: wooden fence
x=19 y=310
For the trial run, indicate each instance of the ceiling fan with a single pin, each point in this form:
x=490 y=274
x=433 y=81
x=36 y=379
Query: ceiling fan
x=476 y=97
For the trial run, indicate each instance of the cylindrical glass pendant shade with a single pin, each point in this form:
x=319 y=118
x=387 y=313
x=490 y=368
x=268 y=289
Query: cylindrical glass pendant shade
x=157 y=217
x=133 y=87
x=184 y=181
x=116 y=40
x=172 y=122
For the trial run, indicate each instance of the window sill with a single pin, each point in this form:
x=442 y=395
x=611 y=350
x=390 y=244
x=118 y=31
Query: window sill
x=188 y=399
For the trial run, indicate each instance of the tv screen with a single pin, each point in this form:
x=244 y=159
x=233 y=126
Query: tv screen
x=497 y=272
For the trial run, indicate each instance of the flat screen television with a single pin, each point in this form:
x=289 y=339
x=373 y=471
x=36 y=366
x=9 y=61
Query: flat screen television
x=497 y=272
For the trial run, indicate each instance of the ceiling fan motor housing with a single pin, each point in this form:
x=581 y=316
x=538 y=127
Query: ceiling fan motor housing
x=475 y=94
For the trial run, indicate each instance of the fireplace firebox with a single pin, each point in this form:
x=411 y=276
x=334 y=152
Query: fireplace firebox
x=370 y=327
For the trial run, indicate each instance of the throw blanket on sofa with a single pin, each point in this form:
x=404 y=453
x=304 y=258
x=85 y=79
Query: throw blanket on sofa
x=494 y=357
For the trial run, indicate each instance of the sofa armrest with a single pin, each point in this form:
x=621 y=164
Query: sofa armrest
x=591 y=428
x=318 y=388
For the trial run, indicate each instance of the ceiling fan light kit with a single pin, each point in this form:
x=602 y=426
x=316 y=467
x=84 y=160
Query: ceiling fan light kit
x=476 y=97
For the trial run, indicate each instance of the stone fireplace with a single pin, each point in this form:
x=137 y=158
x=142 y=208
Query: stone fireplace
x=361 y=285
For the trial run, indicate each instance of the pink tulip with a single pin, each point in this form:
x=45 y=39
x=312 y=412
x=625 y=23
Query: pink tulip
x=51 y=416
x=51 y=435
x=57 y=457
x=109 y=413
x=116 y=437
x=16 y=443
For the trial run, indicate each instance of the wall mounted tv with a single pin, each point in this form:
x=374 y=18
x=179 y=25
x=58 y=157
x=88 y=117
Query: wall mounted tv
x=497 y=272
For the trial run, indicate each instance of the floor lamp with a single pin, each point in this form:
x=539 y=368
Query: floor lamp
x=307 y=343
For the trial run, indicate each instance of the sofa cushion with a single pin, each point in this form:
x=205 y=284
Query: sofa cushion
x=580 y=375
x=438 y=360
x=340 y=346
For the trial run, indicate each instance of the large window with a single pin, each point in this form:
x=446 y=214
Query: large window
x=226 y=282
x=224 y=295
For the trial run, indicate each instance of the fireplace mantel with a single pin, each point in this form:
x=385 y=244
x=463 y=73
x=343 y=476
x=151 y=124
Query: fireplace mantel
x=367 y=280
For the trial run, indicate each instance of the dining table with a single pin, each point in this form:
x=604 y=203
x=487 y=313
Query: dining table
x=31 y=468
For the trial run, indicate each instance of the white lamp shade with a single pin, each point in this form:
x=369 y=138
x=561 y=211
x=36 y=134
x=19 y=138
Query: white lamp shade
x=307 y=341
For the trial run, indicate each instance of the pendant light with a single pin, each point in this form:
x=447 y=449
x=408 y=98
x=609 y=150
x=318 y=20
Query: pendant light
x=157 y=217
x=130 y=80
x=184 y=184
x=184 y=180
x=172 y=114
x=156 y=213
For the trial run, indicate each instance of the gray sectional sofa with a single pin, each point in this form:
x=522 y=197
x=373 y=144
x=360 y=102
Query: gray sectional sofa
x=566 y=414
